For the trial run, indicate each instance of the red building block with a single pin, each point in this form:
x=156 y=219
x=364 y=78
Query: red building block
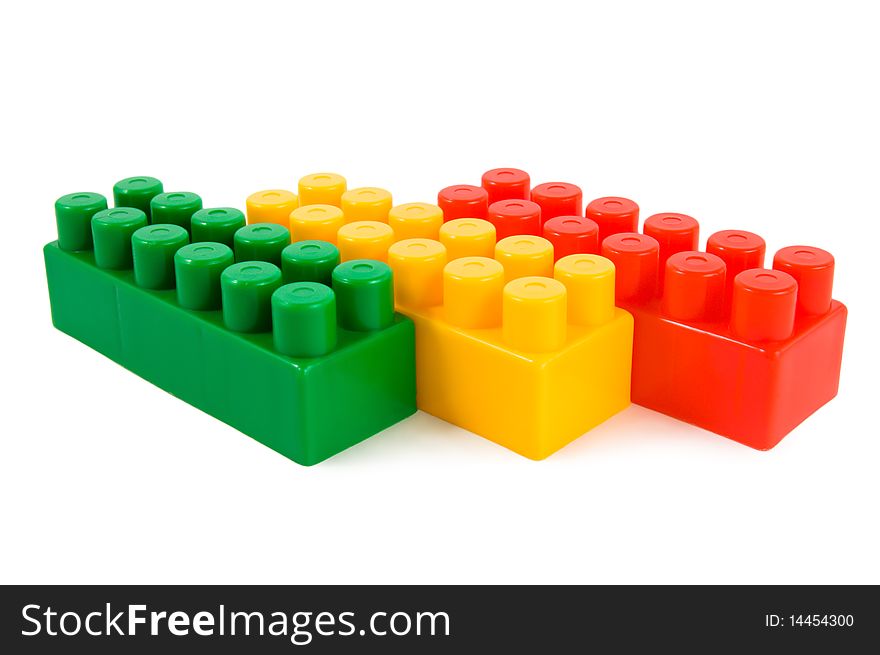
x=613 y=215
x=748 y=355
x=572 y=235
x=463 y=201
x=514 y=217
x=506 y=184
x=558 y=199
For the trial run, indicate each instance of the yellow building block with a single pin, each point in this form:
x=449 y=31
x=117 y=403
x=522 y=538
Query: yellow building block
x=316 y=222
x=321 y=189
x=531 y=363
x=415 y=220
x=364 y=240
x=271 y=206
x=366 y=204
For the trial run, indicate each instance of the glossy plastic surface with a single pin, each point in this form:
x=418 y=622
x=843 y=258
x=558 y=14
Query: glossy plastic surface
x=463 y=201
x=216 y=224
x=506 y=184
x=558 y=199
x=136 y=192
x=613 y=215
x=289 y=403
x=748 y=358
x=530 y=364
x=513 y=217
x=366 y=204
x=571 y=235
x=321 y=189
x=271 y=206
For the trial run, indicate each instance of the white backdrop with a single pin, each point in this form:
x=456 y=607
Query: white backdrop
x=762 y=116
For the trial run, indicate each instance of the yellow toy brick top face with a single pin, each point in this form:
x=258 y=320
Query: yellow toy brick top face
x=530 y=363
x=364 y=240
x=271 y=206
x=528 y=314
x=415 y=220
x=366 y=204
x=321 y=189
x=316 y=222
x=468 y=237
x=525 y=255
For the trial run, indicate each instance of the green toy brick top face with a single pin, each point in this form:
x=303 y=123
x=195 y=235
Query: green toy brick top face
x=176 y=207
x=83 y=200
x=136 y=192
x=261 y=241
x=73 y=216
x=216 y=224
x=309 y=261
x=205 y=253
x=137 y=185
x=365 y=294
x=121 y=216
x=271 y=360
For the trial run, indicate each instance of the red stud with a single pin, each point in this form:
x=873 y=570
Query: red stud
x=558 y=199
x=513 y=217
x=613 y=215
x=463 y=201
x=506 y=184
x=572 y=235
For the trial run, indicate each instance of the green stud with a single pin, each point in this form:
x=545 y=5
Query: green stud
x=261 y=242
x=153 y=248
x=217 y=224
x=73 y=216
x=364 y=295
x=136 y=192
x=197 y=268
x=111 y=233
x=309 y=261
x=304 y=319
x=176 y=208
x=246 y=290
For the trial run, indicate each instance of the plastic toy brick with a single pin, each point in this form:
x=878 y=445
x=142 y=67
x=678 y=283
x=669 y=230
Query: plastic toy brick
x=721 y=342
x=273 y=352
x=530 y=362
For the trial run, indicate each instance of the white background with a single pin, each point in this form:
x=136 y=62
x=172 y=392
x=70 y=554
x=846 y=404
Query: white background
x=762 y=116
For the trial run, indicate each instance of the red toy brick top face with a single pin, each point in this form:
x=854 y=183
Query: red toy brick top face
x=813 y=268
x=463 y=201
x=506 y=184
x=463 y=193
x=572 y=235
x=557 y=199
x=724 y=290
x=515 y=207
x=515 y=216
x=673 y=228
x=611 y=206
x=614 y=215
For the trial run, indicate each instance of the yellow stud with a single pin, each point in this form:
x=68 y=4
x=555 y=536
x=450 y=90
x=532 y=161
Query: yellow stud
x=589 y=280
x=525 y=255
x=321 y=189
x=320 y=222
x=472 y=289
x=468 y=237
x=415 y=220
x=271 y=206
x=364 y=240
x=534 y=314
x=366 y=204
x=418 y=272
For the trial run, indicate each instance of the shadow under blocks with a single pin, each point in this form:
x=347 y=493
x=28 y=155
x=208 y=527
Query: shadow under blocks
x=721 y=342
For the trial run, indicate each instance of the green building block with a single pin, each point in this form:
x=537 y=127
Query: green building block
x=306 y=408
